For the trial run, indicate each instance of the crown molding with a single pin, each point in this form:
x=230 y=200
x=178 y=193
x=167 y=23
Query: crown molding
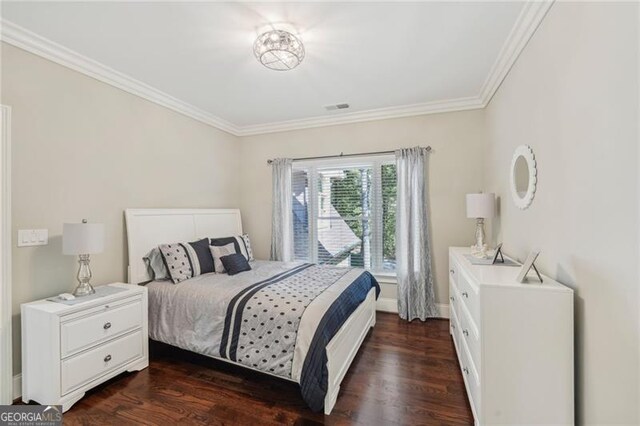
x=41 y=46
x=528 y=21
x=435 y=107
x=532 y=14
x=530 y=17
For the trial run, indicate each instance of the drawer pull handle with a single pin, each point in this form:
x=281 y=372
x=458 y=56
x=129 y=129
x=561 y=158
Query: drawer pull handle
x=107 y=358
x=452 y=298
x=466 y=370
x=452 y=271
x=465 y=294
x=107 y=326
x=465 y=332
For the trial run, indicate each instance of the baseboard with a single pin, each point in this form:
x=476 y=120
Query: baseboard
x=388 y=304
x=443 y=310
x=17 y=386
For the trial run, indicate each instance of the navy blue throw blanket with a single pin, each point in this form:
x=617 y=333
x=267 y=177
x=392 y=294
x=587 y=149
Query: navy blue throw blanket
x=315 y=377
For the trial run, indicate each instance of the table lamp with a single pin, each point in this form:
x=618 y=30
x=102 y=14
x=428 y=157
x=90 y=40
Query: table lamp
x=83 y=239
x=480 y=207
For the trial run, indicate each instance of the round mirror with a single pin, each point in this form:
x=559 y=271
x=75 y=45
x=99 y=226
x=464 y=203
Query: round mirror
x=523 y=176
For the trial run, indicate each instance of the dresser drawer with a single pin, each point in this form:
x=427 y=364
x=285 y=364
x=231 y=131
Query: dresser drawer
x=84 y=332
x=94 y=363
x=469 y=371
x=471 y=379
x=453 y=270
x=453 y=294
x=470 y=334
x=454 y=324
x=469 y=296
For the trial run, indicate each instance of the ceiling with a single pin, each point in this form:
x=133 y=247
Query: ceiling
x=384 y=59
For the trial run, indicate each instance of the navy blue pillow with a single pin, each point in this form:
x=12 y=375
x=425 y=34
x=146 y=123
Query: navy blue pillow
x=235 y=263
x=203 y=254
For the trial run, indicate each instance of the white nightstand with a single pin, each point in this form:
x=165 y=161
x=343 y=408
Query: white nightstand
x=68 y=349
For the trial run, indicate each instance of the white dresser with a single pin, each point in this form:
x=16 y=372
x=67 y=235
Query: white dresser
x=68 y=349
x=514 y=343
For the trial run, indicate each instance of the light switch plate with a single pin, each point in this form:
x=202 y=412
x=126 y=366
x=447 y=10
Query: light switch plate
x=33 y=237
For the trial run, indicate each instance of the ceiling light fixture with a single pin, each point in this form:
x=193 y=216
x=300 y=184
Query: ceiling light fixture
x=278 y=50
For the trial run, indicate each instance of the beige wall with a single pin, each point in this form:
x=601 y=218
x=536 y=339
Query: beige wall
x=455 y=169
x=83 y=149
x=573 y=97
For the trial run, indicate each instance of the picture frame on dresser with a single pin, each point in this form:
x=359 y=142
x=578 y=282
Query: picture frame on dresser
x=527 y=265
x=496 y=254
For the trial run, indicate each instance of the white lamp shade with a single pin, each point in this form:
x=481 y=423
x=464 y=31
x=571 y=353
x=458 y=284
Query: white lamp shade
x=82 y=238
x=481 y=205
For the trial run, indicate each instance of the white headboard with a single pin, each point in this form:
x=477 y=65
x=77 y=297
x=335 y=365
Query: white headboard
x=147 y=228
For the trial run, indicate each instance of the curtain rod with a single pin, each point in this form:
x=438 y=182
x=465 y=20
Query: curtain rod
x=341 y=155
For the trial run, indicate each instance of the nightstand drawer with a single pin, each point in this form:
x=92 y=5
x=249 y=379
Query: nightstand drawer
x=84 y=332
x=91 y=365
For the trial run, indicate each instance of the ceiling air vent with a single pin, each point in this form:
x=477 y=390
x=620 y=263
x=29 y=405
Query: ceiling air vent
x=336 y=106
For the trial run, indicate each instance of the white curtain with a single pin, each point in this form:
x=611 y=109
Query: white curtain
x=413 y=255
x=282 y=211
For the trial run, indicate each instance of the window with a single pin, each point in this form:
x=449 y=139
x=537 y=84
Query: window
x=344 y=212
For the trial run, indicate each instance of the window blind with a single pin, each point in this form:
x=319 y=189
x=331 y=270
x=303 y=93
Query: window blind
x=344 y=212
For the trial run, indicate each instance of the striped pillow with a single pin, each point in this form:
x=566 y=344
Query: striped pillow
x=187 y=260
x=241 y=243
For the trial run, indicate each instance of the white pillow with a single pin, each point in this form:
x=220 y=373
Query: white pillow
x=155 y=265
x=220 y=251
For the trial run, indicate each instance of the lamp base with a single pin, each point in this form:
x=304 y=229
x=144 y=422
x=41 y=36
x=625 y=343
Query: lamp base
x=83 y=289
x=480 y=248
x=480 y=252
x=84 y=276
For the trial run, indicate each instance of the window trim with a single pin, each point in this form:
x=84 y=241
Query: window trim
x=386 y=277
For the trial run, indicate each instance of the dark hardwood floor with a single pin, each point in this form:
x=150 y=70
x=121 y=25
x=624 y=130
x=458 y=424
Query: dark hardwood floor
x=404 y=374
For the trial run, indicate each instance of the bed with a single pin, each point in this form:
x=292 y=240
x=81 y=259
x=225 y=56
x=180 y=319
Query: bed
x=296 y=321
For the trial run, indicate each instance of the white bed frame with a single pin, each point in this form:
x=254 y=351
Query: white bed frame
x=147 y=228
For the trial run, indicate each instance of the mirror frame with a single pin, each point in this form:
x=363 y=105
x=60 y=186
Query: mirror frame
x=526 y=152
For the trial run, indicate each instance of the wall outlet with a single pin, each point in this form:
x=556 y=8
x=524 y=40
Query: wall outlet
x=33 y=237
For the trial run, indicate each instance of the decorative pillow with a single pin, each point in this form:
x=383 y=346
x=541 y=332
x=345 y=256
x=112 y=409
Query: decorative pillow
x=201 y=249
x=247 y=245
x=186 y=260
x=241 y=243
x=155 y=265
x=220 y=251
x=235 y=263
